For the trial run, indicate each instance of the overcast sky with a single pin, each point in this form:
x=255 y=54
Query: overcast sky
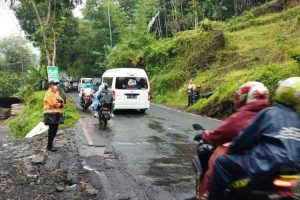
x=9 y=25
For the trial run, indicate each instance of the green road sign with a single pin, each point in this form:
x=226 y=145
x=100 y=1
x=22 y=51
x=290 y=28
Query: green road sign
x=53 y=73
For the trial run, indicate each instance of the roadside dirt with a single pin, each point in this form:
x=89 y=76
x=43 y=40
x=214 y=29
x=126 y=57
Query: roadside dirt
x=30 y=172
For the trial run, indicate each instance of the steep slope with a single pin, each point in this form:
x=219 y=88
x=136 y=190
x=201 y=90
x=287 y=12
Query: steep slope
x=261 y=45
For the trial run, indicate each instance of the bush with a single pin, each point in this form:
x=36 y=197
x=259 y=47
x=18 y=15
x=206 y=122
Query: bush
x=32 y=114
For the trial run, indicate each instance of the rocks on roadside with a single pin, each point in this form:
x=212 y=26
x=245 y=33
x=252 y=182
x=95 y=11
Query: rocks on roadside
x=60 y=188
x=38 y=159
x=28 y=170
x=91 y=190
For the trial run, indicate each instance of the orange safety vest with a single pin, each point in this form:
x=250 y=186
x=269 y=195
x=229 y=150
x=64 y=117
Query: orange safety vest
x=51 y=104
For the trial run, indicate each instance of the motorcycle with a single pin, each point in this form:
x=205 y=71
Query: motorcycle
x=86 y=100
x=104 y=115
x=279 y=185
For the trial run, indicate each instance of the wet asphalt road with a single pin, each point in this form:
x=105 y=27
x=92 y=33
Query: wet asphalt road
x=152 y=152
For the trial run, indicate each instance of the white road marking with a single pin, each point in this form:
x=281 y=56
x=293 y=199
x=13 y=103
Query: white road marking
x=86 y=133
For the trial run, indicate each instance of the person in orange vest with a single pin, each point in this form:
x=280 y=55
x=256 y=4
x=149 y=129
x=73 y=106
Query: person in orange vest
x=53 y=114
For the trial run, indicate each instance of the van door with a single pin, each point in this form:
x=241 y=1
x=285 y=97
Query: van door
x=131 y=90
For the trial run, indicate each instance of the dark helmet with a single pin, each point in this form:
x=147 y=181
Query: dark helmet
x=105 y=86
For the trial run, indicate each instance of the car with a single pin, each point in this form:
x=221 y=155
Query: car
x=130 y=88
x=74 y=85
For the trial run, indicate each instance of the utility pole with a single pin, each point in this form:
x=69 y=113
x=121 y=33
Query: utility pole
x=109 y=24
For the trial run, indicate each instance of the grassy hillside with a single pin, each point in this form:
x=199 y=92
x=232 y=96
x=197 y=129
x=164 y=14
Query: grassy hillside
x=32 y=114
x=262 y=45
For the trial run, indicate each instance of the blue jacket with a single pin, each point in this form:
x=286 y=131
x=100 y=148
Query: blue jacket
x=272 y=138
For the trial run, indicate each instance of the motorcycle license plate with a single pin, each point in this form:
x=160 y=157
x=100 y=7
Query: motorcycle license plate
x=105 y=112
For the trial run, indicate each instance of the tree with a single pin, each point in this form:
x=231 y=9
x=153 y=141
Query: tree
x=15 y=55
x=44 y=22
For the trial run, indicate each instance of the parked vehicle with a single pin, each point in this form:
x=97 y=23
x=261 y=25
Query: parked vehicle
x=278 y=186
x=67 y=87
x=74 y=86
x=130 y=88
x=86 y=98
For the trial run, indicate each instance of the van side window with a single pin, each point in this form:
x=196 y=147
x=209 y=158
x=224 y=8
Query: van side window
x=108 y=80
x=131 y=83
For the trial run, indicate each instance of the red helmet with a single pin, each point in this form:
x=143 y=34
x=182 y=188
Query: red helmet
x=250 y=92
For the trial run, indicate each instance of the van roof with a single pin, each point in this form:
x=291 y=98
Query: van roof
x=125 y=72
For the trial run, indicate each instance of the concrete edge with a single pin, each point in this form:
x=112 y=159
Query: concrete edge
x=193 y=114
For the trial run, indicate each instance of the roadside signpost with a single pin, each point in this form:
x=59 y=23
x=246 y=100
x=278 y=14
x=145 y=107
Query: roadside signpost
x=53 y=74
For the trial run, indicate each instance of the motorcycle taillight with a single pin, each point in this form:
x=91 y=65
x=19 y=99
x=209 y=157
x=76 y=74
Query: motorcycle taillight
x=285 y=183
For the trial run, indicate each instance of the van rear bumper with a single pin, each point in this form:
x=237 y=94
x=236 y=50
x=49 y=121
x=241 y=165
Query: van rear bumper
x=124 y=106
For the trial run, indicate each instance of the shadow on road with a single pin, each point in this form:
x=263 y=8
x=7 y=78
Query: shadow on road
x=129 y=112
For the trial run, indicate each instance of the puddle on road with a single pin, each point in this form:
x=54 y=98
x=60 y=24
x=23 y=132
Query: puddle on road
x=157 y=126
x=177 y=136
x=155 y=139
x=159 y=118
x=175 y=169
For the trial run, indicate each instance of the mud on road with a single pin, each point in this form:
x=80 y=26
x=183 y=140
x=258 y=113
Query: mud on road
x=29 y=172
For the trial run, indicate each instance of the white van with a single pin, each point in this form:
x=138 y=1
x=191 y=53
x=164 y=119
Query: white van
x=83 y=80
x=130 y=88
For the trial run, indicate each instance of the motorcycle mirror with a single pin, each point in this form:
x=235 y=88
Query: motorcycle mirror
x=198 y=127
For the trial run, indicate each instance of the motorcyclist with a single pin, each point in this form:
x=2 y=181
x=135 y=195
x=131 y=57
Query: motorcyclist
x=96 y=103
x=272 y=138
x=249 y=99
x=85 y=86
x=106 y=97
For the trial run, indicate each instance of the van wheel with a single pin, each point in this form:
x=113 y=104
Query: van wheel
x=143 y=111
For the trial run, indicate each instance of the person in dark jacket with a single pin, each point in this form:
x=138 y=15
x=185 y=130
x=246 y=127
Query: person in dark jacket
x=191 y=89
x=249 y=99
x=53 y=114
x=272 y=139
x=105 y=97
x=197 y=94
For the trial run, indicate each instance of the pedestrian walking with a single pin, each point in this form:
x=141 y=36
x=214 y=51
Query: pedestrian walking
x=53 y=114
x=191 y=89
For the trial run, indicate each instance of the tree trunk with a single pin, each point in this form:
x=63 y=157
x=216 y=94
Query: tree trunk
x=54 y=47
x=54 y=37
x=235 y=7
x=48 y=57
x=166 y=18
x=109 y=24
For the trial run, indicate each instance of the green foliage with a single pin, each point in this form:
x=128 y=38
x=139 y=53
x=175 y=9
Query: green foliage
x=266 y=53
x=32 y=114
x=15 y=55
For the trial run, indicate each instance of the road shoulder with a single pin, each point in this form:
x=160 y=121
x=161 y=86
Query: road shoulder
x=28 y=171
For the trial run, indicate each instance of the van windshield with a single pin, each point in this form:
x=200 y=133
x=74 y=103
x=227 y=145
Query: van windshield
x=131 y=83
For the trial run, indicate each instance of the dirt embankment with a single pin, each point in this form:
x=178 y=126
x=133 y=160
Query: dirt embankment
x=28 y=171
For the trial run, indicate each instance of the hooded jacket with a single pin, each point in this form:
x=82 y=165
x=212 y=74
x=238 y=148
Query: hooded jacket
x=231 y=127
x=272 y=138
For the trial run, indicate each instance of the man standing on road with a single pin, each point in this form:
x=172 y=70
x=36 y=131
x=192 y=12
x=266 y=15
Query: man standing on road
x=191 y=89
x=53 y=114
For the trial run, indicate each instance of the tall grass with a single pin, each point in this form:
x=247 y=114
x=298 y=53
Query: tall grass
x=261 y=47
x=32 y=114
